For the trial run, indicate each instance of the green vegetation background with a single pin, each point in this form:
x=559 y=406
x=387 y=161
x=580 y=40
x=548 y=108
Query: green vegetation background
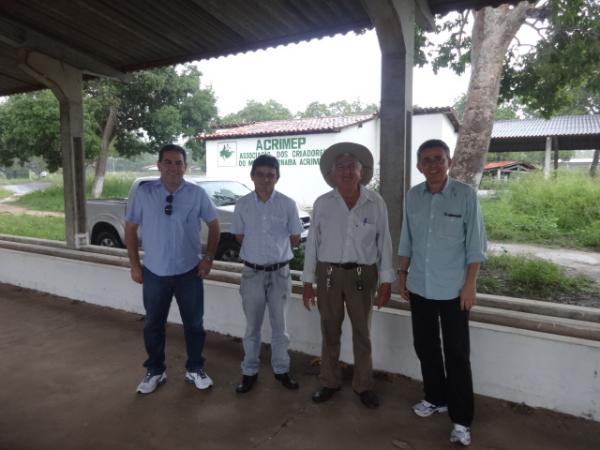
x=561 y=212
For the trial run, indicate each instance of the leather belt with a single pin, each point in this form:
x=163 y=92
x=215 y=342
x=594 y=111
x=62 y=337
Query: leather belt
x=345 y=266
x=269 y=268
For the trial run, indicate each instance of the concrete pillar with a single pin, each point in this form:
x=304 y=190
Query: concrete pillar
x=394 y=22
x=66 y=83
x=547 y=158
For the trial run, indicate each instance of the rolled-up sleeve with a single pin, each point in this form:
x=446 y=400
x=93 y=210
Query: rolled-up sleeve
x=294 y=223
x=384 y=247
x=476 y=242
x=405 y=245
x=310 y=251
x=237 y=223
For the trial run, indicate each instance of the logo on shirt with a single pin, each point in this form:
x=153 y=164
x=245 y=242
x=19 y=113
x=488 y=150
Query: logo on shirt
x=226 y=154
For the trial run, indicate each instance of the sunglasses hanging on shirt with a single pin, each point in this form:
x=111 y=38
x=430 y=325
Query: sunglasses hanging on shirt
x=169 y=206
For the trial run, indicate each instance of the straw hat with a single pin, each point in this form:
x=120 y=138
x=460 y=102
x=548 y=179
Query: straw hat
x=359 y=151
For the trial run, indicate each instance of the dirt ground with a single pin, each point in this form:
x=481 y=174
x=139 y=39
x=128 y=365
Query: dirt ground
x=7 y=207
x=69 y=372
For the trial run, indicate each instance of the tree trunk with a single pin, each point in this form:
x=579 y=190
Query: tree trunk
x=493 y=30
x=107 y=136
x=594 y=166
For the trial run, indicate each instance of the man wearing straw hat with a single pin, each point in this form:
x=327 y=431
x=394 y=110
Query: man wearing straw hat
x=349 y=256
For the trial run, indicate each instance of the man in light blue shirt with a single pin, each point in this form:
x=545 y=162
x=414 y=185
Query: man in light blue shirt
x=169 y=212
x=442 y=245
x=267 y=225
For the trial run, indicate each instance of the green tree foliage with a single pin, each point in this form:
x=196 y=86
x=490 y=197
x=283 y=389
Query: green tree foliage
x=257 y=112
x=155 y=107
x=29 y=127
x=339 y=108
x=563 y=70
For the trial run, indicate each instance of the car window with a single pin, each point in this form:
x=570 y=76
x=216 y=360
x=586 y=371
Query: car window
x=224 y=193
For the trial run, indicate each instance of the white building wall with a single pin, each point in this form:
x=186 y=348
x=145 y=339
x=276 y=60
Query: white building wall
x=425 y=127
x=538 y=369
x=301 y=178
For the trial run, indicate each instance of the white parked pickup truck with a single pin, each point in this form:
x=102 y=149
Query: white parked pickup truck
x=106 y=218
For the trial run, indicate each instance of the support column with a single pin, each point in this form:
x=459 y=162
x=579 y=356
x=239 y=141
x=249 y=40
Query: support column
x=394 y=22
x=547 y=158
x=65 y=82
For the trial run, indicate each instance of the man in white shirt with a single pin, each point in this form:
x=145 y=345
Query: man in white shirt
x=349 y=256
x=267 y=225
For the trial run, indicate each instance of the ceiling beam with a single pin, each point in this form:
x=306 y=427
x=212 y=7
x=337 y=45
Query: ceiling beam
x=22 y=37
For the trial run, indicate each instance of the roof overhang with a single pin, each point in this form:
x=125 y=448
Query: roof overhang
x=111 y=38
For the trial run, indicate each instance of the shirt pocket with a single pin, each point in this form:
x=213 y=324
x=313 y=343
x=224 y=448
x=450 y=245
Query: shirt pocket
x=366 y=234
x=278 y=224
x=450 y=227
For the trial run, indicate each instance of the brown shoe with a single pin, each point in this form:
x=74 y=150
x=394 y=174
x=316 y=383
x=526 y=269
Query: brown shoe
x=369 y=399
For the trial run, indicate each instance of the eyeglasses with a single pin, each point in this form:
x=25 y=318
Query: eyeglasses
x=169 y=206
x=438 y=161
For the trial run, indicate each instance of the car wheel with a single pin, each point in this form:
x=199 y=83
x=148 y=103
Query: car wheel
x=108 y=238
x=229 y=251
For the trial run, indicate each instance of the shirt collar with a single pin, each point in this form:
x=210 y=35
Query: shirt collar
x=270 y=200
x=443 y=192
x=365 y=195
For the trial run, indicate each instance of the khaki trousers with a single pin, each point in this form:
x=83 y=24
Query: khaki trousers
x=359 y=304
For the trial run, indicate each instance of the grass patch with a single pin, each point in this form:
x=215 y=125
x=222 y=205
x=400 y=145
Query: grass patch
x=562 y=211
x=4 y=193
x=52 y=199
x=519 y=276
x=52 y=228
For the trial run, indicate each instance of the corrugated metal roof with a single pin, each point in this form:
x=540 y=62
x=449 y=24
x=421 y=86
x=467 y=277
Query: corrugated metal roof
x=567 y=133
x=140 y=34
x=555 y=126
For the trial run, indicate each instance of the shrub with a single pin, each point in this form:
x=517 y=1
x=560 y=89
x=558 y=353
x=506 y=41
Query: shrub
x=563 y=210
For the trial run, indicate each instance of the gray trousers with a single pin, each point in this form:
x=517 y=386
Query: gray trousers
x=260 y=290
x=359 y=304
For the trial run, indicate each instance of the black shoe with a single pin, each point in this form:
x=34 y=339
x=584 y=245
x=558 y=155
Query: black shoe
x=324 y=394
x=246 y=384
x=287 y=380
x=369 y=399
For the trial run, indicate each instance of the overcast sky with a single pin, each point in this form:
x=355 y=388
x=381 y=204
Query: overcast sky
x=344 y=67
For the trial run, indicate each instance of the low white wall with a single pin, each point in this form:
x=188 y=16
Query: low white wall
x=538 y=369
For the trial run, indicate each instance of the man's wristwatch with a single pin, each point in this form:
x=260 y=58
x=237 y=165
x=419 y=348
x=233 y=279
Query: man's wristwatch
x=404 y=271
x=208 y=258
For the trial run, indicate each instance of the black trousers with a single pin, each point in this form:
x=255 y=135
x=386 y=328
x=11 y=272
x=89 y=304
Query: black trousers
x=447 y=377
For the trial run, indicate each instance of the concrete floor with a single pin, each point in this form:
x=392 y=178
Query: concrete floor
x=69 y=372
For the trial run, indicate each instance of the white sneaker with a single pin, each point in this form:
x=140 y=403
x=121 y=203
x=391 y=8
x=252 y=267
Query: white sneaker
x=460 y=434
x=151 y=382
x=426 y=409
x=200 y=379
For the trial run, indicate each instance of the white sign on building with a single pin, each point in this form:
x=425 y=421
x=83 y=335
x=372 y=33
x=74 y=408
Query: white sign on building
x=299 y=144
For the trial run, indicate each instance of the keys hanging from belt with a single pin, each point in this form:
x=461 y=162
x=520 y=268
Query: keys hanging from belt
x=328 y=280
x=359 y=282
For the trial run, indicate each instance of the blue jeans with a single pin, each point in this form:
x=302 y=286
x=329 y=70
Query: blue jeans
x=158 y=293
x=260 y=290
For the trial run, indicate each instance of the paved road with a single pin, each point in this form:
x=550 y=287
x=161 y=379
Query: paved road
x=21 y=189
x=575 y=261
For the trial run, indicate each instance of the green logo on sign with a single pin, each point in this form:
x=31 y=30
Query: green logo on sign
x=225 y=152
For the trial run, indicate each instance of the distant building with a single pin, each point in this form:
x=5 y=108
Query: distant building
x=299 y=144
x=501 y=170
